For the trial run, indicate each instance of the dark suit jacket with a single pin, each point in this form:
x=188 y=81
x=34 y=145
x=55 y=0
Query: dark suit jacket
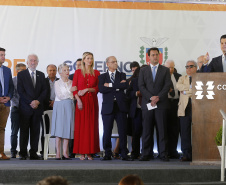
x=160 y=87
x=8 y=84
x=71 y=76
x=203 y=69
x=110 y=92
x=47 y=99
x=28 y=93
x=131 y=93
x=216 y=65
x=177 y=76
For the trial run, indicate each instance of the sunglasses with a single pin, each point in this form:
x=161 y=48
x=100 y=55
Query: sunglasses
x=190 y=66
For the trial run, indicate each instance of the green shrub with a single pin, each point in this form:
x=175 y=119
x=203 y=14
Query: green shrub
x=218 y=138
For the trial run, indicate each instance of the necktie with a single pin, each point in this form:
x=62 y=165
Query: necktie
x=224 y=66
x=112 y=78
x=190 y=80
x=33 y=78
x=154 y=72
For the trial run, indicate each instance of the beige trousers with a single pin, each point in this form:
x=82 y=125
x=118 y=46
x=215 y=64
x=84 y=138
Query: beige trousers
x=4 y=113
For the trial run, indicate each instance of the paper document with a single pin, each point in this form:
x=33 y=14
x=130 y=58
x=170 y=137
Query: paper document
x=151 y=107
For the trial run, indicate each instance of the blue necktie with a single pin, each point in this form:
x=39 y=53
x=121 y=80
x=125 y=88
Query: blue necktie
x=154 y=72
x=112 y=78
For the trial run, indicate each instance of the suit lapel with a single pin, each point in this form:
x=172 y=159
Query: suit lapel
x=149 y=72
x=117 y=77
x=220 y=64
x=37 y=80
x=159 y=70
x=108 y=80
x=28 y=76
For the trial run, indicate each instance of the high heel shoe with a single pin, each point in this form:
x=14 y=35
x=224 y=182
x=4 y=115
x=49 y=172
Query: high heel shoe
x=66 y=158
x=89 y=157
x=82 y=158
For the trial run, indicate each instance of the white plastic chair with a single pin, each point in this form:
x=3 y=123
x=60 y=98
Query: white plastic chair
x=47 y=136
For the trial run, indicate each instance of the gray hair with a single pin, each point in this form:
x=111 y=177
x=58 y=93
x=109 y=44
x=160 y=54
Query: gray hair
x=194 y=62
x=33 y=55
x=169 y=62
x=60 y=67
x=107 y=59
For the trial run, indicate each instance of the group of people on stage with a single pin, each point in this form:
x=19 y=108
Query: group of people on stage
x=154 y=96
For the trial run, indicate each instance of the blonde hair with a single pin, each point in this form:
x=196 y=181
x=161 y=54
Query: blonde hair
x=85 y=54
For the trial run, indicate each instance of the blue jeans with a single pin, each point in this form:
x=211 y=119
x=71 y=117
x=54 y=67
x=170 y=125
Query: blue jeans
x=15 y=125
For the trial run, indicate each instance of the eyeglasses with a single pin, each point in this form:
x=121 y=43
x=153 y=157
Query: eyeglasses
x=190 y=66
x=113 y=62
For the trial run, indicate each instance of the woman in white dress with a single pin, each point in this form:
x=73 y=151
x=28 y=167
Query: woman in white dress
x=63 y=112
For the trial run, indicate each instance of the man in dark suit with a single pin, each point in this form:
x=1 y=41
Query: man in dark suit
x=78 y=66
x=172 y=118
x=6 y=93
x=218 y=64
x=31 y=86
x=154 y=83
x=49 y=99
x=135 y=114
x=114 y=107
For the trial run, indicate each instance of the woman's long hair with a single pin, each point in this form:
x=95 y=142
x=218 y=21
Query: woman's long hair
x=85 y=54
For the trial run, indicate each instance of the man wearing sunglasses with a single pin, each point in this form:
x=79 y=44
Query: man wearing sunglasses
x=218 y=64
x=184 y=85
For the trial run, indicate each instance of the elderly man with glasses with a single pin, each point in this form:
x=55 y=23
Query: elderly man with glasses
x=184 y=85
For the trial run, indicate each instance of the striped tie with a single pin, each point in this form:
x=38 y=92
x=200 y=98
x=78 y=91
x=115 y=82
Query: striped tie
x=112 y=78
x=33 y=78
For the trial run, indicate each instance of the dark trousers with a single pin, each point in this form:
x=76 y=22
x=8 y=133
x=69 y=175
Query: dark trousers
x=185 y=129
x=15 y=126
x=108 y=121
x=29 y=124
x=136 y=132
x=157 y=116
x=173 y=127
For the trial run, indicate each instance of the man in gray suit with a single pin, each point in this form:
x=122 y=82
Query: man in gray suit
x=154 y=83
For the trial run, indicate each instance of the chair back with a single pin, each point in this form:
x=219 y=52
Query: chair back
x=47 y=115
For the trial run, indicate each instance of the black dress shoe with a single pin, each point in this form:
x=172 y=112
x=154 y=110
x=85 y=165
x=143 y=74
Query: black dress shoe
x=185 y=159
x=144 y=158
x=105 y=158
x=95 y=156
x=35 y=157
x=57 y=158
x=13 y=155
x=23 y=157
x=127 y=159
x=165 y=159
x=72 y=156
x=66 y=158
x=134 y=156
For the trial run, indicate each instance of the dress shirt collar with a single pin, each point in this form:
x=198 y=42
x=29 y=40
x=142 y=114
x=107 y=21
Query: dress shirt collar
x=112 y=72
x=223 y=57
x=30 y=71
x=153 y=66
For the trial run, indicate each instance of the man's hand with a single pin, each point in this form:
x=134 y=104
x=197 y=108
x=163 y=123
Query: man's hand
x=79 y=103
x=123 y=81
x=74 y=88
x=106 y=84
x=154 y=100
x=4 y=99
x=82 y=92
x=34 y=104
x=51 y=103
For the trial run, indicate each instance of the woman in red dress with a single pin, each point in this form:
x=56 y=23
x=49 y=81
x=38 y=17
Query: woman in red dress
x=86 y=138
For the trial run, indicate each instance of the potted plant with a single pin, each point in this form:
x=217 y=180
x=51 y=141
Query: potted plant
x=218 y=140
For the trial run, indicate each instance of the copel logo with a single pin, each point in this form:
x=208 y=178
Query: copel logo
x=199 y=89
